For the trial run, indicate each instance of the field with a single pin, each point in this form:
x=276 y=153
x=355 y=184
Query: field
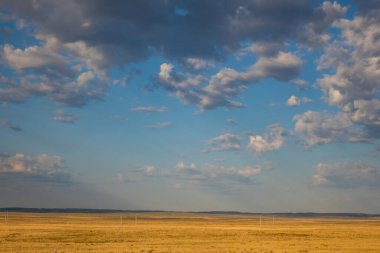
x=184 y=232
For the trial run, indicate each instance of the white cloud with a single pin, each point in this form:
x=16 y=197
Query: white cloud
x=62 y=116
x=43 y=168
x=353 y=174
x=293 y=101
x=85 y=77
x=366 y=112
x=354 y=84
x=198 y=64
x=31 y=57
x=224 y=86
x=283 y=66
x=273 y=139
x=321 y=128
x=182 y=166
x=300 y=82
x=312 y=33
x=165 y=71
x=224 y=142
x=92 y=57
x=306 y=100
x=69 y=73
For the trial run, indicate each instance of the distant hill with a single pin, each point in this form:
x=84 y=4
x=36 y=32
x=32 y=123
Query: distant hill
x=88 y=210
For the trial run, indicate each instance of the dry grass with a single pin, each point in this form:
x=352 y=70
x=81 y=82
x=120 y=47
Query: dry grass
x=178 y=232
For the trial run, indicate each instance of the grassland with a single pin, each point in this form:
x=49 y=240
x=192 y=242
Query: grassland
x=183 y=232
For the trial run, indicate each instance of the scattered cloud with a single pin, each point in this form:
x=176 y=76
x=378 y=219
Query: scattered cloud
x=8 y=124
x=353 y=61
x=63 y=117
x=31 y=57
x=198 y=64
x=150 y=109
x=210 y=173
x=224 y=142
x=182 y=166
x=346 y=175
x=70 y=73
x=312 y=33
x=41 y=168
x=300 y=82
x=272 y=140
x=71 y=61
x=225 y=85
x=322 y=128
x=295 y=101
x=306 y=100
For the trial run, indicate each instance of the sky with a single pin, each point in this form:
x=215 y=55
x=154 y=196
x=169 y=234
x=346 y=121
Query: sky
x=252 y=106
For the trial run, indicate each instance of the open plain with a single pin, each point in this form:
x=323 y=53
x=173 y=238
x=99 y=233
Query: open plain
x=185 y=232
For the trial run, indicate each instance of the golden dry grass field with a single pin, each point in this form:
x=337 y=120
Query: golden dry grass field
x=184 y=232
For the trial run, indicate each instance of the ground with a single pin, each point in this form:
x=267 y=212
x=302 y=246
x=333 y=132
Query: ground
x=185 y=232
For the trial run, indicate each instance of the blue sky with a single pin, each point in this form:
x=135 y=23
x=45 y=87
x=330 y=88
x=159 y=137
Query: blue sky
x=258 y=106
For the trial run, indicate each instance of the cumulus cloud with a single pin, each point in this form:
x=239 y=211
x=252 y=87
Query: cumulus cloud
x=353 y=86
x=43 y=168
x=227 y=83
x=224 y=86
x=272 y=140
x=312 y=33
x=224 y=142
x=150 y=109
x=295 y=101
x=31 y=57
x=72 y=58
x=356 y=174
x=8 y=124
x=70 y=73
x=322 y=128
x=63 y=117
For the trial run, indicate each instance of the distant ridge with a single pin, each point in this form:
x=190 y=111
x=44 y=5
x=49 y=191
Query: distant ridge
x=89 y=210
